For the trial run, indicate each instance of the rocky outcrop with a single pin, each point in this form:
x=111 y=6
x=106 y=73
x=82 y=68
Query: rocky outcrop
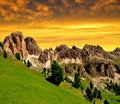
x=95 y=53
x=64 y=52
x=91 y=69
x=77 y=49
x=62 y=48
x=43 y=57
x=32 y=47
x=15 y=44
x=116 y=52
x=100 y=69
x=82 y=71
x=89 y=51
x=109 y=70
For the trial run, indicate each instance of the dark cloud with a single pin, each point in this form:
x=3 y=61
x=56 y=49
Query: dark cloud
x=54 y=10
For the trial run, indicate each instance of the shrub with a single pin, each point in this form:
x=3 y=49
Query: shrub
x=106 y=102
x=89 y=94
x=91 y=85
x=44 y=72
x=57 y=74
x=1 y=45
x=25 y=62
x=29 y=63
x=17 y=55
x=95 y=93
x=77 y=83
x=81 y=87
x=99 y=95
x=5 y=54
x=67 y=79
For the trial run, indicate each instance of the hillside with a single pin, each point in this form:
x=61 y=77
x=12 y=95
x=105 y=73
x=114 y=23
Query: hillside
x=19 y=85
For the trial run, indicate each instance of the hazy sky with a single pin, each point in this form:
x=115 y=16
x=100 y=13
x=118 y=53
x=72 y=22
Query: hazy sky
x=54 y=22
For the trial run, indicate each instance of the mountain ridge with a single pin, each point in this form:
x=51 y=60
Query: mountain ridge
x=91 y=59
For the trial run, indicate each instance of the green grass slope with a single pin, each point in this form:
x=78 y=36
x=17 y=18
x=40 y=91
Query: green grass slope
x=19 y=85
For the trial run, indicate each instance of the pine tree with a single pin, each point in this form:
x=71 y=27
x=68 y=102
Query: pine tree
x=95 y=93
x=99 y=95
x=77 y=83
x=91 y=85
x=57 y=74
x=89 y=94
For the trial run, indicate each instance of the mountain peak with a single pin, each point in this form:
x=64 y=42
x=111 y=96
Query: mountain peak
x=62 y=47
x=15 y=44
x=32 y=47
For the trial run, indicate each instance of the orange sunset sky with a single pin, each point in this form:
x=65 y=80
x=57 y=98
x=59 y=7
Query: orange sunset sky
x=70 y=22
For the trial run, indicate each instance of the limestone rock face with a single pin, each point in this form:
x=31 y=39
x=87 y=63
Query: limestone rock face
x=64 y=52
x=91 y=69
x=95 y=54
x=109 y=70
x=15 y=44
x=32 y=47
x=101 y=69
x=89 y=51
x=82 y=71
x=43 y=57
x=61 y=48
x=47 y=57
x=77 y=49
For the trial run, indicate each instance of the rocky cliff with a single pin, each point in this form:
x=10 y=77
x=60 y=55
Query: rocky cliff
x=15 y=44
x=32 y=47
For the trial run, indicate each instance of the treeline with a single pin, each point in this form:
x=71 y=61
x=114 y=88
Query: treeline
x=113 y=87
x=56 y=76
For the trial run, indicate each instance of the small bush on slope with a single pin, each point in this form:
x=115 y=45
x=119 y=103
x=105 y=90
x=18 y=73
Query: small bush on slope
x=17 y=55
x=5 y=54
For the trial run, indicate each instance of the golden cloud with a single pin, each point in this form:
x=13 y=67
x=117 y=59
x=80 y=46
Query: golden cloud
x=55 y=10
x=66 y=3
x=19 y=10
x=79 y=1
x=105 y=7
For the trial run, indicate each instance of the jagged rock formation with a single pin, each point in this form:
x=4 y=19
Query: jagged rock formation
x=95 y=53
x=67 y=55
x=100 y=69
x=32 y=46
x=43 y=57
x=15 y=44
x=77 y=49
x=62 y=54
x=91 y=60
x=62 y=48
